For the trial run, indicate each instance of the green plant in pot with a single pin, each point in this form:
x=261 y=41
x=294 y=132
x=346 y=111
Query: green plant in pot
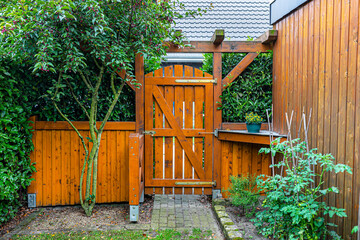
x=253 y=122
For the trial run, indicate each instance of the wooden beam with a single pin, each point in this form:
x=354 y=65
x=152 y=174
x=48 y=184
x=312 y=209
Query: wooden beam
x=243 y=136
x=239 y=126
x=121 y=73
x=139 y=93
x=268 y=37
x=242 y=65
x=83 y=125
x=224 y=47
x=217 y=71
x=218 y=36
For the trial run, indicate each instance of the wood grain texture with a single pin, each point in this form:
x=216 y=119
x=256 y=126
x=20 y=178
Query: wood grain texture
x=242 y=159
x=58 y=156
x=321 y=74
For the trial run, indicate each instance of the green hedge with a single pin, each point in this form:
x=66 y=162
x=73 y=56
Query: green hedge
x=15 y=141
x=250 y=92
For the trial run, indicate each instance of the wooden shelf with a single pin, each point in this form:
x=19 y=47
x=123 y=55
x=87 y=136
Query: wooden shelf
x=244 y=136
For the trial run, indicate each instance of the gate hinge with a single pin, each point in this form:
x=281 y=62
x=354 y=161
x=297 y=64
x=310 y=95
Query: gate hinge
x=149 y=133
x=196 y=183
x=196 y=80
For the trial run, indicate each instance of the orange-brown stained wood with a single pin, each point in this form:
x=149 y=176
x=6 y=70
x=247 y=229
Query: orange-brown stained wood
x=242 y=159
x=238 y=69
x=217 y=72
x=59 y=156
x=178 y=112
x=169 y=161
x=136 y=184
x=327 y=32
x=179 y=129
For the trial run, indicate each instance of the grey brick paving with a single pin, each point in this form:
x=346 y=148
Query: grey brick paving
x=183 y=212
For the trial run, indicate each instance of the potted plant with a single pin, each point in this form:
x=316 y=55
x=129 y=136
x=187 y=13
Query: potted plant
x=253 y=122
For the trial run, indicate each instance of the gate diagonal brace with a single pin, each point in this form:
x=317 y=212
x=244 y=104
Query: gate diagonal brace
x=180 y=135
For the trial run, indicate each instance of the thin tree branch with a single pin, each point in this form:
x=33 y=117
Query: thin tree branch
x=96 y=63
x=84 y=146
x=116 y=98
x=57 y=87
x=76 y=99
x=87 y=83
x=112 y=82
x=93 y=108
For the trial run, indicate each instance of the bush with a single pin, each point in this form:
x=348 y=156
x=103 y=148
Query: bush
x=250 y=92
x=15 y=142
x=293 y=206
x=243 y=193
x=124 y=110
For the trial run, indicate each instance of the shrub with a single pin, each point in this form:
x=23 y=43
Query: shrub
x=250 y=92
x=253 y=118
x=293 y=206
x=243 y=193
x=15 y=143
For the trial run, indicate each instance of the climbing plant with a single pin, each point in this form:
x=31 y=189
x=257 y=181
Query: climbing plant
x=15 y=141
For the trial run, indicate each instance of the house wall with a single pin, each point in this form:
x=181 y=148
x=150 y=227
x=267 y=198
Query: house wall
x=316 y=62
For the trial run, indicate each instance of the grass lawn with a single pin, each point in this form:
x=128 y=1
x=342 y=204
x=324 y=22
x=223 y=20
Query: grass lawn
x=124 y=234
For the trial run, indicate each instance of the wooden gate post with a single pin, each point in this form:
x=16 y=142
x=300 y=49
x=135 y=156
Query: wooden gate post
x=139 y=93
x=136 y=174
x=217 y=68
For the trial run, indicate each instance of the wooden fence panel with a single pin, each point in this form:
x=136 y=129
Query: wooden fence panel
x=325 y=79
x=59 y=157
x=242 y=159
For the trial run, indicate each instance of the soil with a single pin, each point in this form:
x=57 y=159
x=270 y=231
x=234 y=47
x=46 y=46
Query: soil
x=10 y=225
x=73 y=217
x=243 y=223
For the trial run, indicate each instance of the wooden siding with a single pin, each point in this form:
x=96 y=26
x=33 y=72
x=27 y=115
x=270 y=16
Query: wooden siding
x=59 y=157
x=316 y=62
x=242 y=159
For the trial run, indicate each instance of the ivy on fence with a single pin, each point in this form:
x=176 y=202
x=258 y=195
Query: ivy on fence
x=15 y=141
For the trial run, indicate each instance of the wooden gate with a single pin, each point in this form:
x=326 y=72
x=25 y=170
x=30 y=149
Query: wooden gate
x=179 y=130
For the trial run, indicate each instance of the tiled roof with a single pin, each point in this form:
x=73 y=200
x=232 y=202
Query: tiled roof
x=239 y=18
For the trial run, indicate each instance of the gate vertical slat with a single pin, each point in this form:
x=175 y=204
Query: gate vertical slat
x=169 y=97
x=178 y=111
x=158 y=140
x=199 y=124
x=209 y=127
x=189 y=98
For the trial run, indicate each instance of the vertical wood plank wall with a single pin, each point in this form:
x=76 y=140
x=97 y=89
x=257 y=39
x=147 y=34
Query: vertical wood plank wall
x=59 y=158
x=242 y=159
x=317 y=66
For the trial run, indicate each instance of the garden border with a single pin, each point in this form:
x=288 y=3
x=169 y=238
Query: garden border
x=228 y=227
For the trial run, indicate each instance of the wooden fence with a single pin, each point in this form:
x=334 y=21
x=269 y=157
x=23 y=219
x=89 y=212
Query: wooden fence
x=242 y=159
x=316 y=66
x=59 y=157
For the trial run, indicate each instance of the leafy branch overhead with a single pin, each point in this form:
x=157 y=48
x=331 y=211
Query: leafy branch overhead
x=87 y=43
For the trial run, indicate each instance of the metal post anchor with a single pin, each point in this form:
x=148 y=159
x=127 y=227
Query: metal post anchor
x=134 y=213
x=216 y=193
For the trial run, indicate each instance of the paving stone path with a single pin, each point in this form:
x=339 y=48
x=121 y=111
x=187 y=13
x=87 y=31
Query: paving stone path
x=184 y=212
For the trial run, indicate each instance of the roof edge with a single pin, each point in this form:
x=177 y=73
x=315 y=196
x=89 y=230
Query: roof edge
x=282 y=8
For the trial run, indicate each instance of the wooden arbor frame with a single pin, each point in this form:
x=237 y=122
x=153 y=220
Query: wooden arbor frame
x=216 y=46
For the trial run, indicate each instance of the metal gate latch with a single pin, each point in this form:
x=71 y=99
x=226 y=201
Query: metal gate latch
x=216 y=132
